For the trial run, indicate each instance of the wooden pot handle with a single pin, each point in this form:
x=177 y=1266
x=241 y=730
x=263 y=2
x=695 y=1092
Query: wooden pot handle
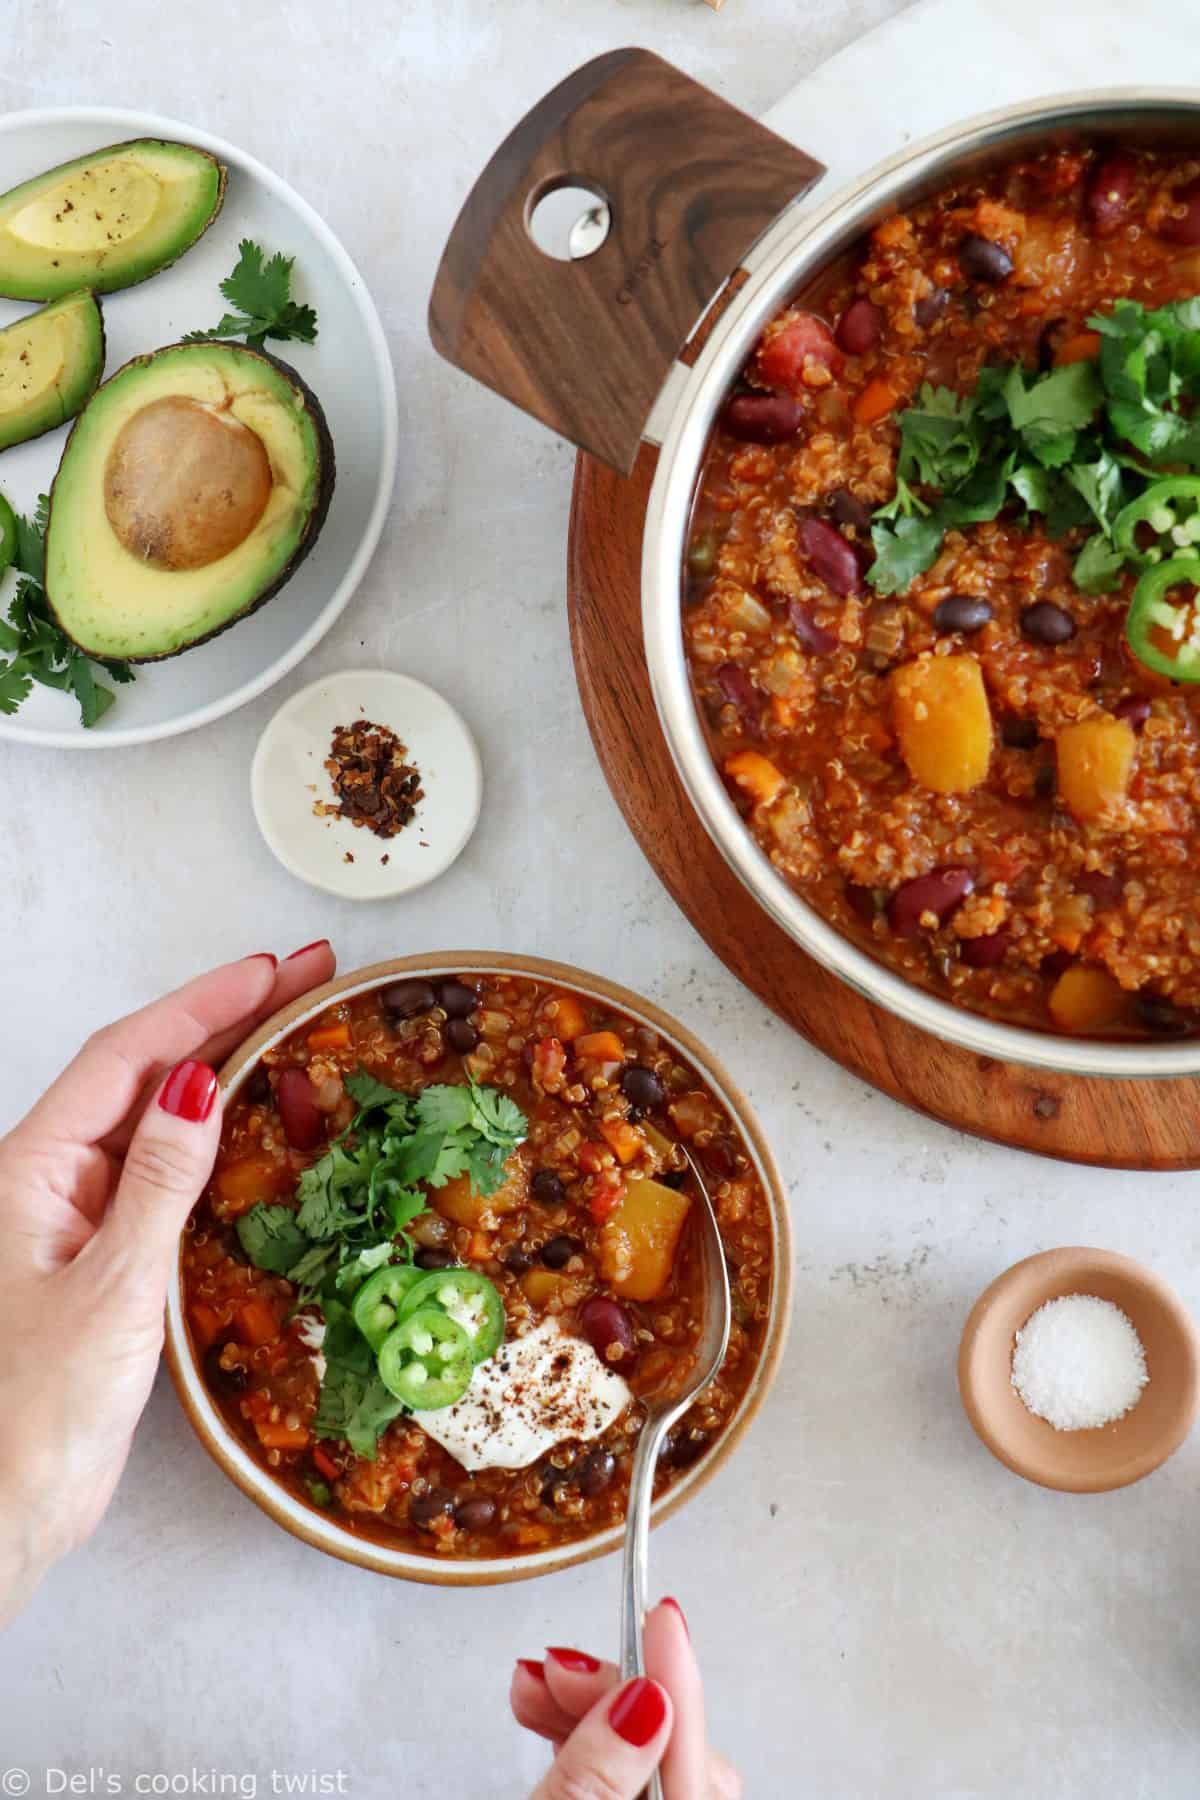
x=585 y=346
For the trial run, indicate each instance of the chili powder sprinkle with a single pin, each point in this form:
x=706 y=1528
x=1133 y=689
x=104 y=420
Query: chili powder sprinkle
x=374 y=781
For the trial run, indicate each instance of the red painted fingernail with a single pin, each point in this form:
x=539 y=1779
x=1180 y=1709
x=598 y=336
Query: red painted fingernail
x=189 y=1092
x=265 y=956
x=577 y=1661
x=668 y=1601
x=638 y=1712
x=536 y=1669
x=305 y=948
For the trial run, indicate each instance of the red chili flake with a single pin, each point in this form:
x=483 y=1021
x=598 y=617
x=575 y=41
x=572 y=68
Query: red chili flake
x=374 y=781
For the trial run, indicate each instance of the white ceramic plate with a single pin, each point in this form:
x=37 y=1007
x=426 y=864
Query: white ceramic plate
x=348 y=368
x=288 y=776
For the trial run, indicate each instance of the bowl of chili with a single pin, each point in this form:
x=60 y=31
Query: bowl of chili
x=921 y=557
x=445 y=1260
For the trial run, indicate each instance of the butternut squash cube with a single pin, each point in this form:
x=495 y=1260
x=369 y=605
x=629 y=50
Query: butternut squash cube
x=459 y=1204
x=1095 y=762
x=638 y=1243
x=1087 y=999
x=943 y=722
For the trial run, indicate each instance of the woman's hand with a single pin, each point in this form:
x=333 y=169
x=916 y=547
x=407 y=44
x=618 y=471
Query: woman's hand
x=608 y=1735
x=95 y=1186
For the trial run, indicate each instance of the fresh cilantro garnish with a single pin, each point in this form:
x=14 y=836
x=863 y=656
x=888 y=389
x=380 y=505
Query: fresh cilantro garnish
x=260 y=287
x=34 y=644
x=271 y=1238
x=353 y=1403
x=368 y=1091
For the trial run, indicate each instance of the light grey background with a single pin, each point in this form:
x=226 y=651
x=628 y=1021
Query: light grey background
x=882 y=1611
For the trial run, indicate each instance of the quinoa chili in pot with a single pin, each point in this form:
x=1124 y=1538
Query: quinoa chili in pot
x=940 y=601
x=445 y=1255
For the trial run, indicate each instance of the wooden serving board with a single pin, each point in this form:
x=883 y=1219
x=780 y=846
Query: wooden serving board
x=1116 y=1124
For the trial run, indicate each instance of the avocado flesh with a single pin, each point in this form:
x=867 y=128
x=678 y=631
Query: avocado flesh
x=146 y=602
x=51 y=362
x=106 y=220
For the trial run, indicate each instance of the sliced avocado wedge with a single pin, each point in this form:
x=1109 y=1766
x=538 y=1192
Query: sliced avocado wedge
x=106 y=220
x=51 y=362
x=193 y=484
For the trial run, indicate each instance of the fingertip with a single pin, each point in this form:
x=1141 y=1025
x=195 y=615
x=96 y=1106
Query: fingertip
x=640 y=1712
x=535 y=1671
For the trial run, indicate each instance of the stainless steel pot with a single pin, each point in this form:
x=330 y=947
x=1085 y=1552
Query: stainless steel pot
x=588 y=347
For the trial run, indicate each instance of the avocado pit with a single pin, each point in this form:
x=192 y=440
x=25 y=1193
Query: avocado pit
x=185 y=483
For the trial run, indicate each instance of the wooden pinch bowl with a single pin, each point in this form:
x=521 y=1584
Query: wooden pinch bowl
x=1111 y=1456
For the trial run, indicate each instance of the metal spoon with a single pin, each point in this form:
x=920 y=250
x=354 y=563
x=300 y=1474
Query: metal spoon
x=661 y=1414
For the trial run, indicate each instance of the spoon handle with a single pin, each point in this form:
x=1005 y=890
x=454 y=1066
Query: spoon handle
x=637 y=1542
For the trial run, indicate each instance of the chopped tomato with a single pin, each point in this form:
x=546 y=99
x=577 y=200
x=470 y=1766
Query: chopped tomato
x=591 y=1158
x=326 y=1464
x=605 y=1193
x=803 y=342
x=549 y=1063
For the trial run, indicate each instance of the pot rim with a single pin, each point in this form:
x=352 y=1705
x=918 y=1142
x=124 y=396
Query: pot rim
x=310 y=1526
x=796 y=246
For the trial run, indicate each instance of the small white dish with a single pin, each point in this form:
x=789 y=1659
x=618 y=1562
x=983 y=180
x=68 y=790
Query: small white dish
x=288 y=777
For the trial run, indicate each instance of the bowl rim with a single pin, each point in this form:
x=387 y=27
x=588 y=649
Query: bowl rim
x=308 y=1525
x=1060 y=1271
x=801 y=242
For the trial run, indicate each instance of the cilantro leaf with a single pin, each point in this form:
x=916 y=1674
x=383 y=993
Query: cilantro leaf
x=368 y=1091
x=353 y=1403
x=32 y=637
x=271 y=1238
x=903 y=551
x=260 y=288
x=445 y=1107
x=939 y=439
x=1098 y=566
x=15 y=686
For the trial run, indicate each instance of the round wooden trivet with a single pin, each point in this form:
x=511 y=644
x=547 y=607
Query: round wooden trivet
x=1118 y=1124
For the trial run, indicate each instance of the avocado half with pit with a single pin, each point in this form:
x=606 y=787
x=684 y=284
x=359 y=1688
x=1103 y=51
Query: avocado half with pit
x=108 y=219
x=193 y=484
x=51 y=362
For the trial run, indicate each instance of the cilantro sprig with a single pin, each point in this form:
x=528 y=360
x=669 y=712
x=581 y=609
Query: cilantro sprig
x=260 y=288
x=32 y=642
x=1073 y=445
x=355 y=1203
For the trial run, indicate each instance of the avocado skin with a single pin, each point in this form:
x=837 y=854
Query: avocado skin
x=8 y=293
x=326 y=476
x=57 y=426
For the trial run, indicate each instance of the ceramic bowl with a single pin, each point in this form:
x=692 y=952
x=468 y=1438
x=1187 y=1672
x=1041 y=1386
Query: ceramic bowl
x=1111 y=1456
x=325 y=1533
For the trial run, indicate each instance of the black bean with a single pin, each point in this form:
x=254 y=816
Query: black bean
x=547 y=1188
x=594 y=1472
x=475 y=1514
x=1045 y=781
x=1160 y=1015
x=423 y=1509
x=682 y=1447
x=672 y=1178
x=226 y=1381
x=961 y=612
x=847 y=509
x=928 y=311
x=642 y=1088
x=258 y=1088
x=461 y=1035
x=405 y=999
x=517 y=1259
x=982 y=260
x=1134 y=709
x=456 y=999
x=1045 y=623
x=557 y=1252
x=1020 y=734
x=433 y=1259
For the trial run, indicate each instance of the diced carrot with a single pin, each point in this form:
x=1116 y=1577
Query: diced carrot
x=755 y=773
x=331 y=1037
x=622 y=1137
x=1084 y=346
x=569 y=1019
x=257 y=1322
x=1031 y=303
x=206 y=1323
x=242 y=1184
x=600 y=1046
x=892 y=232
x=326 y=1465
x=876 y=401
x=278 y=1435
x=479 y=1248
x=783 y=712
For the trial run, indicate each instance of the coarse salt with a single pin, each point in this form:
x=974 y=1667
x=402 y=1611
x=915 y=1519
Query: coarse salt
x=1078 y=1363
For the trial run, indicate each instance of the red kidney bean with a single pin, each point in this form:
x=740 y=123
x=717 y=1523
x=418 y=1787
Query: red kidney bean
x=860 y=327
x=1101 y=889
x=961 y=612
x=815 y=639
x=1134 y=709
x=1182 y=223
x=804 y=339
x=831 y=556
x=985 y=952
x=302 y=1119
x=940 y=892
x=847 y=509
x=982 y=260
x=929 y=310
x=762 y=418
x=737 y=687
x=863 y=901
x=608 y=1329
x=1045 y=623
x=1107 y=194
